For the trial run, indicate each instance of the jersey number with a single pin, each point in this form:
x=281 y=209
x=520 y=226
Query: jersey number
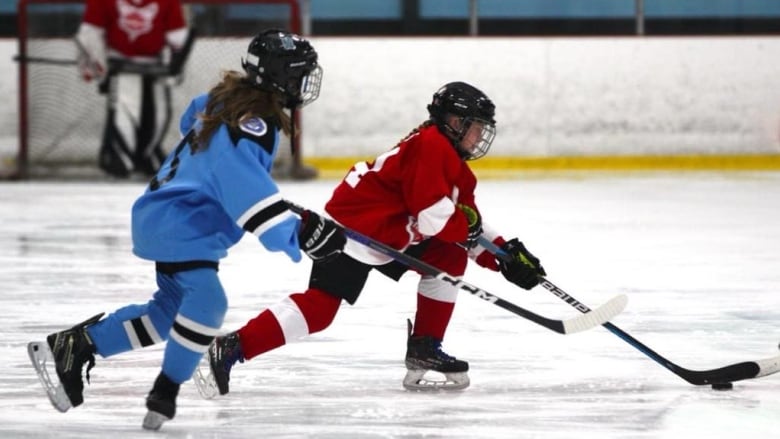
x=156 y=183
x=363 y=168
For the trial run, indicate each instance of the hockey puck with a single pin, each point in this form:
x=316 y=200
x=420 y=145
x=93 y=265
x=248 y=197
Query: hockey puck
x=722 y=386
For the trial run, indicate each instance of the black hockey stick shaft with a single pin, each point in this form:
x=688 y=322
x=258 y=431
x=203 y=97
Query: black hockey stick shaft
x=734 y=372
x=117 y=65
x=41 y=60
x=559 y=326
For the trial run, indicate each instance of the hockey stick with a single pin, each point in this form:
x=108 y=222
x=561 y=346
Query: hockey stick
x=40 y=60
x=584 y=322
x=116 y=65
x=727 y=374
x=125 y=66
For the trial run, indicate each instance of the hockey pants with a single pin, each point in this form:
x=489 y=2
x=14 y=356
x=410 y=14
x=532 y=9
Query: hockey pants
x=187 y=310
x=302 y=314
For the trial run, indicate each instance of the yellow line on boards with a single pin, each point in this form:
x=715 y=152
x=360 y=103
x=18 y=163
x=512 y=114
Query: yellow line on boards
x=338 y=166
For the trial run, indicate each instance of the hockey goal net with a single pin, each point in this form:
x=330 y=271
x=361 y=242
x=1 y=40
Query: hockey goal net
x=61 y=117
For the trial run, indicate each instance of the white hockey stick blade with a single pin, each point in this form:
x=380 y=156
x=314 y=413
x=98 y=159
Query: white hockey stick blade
x=206 y=384
x=597 y=316
x=41 y=357
x=768 y=366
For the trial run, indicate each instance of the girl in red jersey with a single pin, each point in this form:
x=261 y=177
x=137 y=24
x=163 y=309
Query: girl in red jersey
x=418 y=198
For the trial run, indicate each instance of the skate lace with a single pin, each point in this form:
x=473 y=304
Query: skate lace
x=90 y=365
x=443 y=355
x=232 y=356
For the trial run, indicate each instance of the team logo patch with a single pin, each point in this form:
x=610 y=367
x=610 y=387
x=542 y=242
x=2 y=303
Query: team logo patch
x=254 y=126
x=136 y=20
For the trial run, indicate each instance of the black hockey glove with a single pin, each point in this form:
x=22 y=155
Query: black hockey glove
x=475 y=225
x=524 y=269
x=319 y=237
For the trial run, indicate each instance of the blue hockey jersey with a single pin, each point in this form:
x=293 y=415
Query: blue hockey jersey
x=199 y=205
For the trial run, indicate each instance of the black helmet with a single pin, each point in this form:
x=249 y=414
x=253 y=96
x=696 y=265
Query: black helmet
x=283 y=62
x=471 y=108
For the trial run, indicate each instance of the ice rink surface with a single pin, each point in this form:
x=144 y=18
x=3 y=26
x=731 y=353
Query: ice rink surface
x=696 y=253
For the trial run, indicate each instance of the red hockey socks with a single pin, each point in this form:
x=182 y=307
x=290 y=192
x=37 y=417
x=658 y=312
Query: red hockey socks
x=294 y=317
x=432 y=317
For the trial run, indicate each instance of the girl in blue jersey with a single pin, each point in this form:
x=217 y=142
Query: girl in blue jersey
x=214 y=187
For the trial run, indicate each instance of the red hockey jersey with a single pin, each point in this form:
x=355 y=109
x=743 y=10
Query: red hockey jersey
x=135 y=27
x=406 y=194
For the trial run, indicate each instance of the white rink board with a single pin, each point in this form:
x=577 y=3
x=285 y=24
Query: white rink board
x=555 y=96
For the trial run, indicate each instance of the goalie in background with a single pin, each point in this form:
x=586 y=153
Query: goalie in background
x=145 y=43
x=419 y=198
x=212 y=189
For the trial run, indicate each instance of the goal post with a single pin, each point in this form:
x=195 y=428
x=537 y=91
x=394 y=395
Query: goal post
x=61 y=117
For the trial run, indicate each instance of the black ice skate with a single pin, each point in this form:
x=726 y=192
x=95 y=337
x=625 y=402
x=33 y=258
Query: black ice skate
x=424 y=354
x=68 y=350
x=223 y=353
x=161 y=402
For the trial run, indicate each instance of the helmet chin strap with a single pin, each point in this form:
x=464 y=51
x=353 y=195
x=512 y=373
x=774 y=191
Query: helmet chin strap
x=456 y=137
x=464 y=155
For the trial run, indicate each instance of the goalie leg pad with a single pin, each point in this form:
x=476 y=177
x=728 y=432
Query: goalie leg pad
x=115 y=156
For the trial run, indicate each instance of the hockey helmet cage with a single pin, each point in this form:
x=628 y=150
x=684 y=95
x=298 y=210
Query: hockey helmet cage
x=475 y=114
x=283 y=62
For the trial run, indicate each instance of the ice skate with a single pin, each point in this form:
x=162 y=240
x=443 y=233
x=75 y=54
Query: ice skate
x=204 y=380
x=223 y=353
x=425 y=357
x=67 y=351
x=161 y=402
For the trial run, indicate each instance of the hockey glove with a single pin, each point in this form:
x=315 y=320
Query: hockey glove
x=319 y=237
x=91 y=52
x=475 y=225
x=90 y=69
x=524 y=269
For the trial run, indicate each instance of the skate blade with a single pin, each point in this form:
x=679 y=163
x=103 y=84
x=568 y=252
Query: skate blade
x=206 y=384
x=153 y=420
x=41 y=356
x=416 y=380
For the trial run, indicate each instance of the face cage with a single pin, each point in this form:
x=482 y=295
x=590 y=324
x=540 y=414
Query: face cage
x=310 y=86
x=482 y=145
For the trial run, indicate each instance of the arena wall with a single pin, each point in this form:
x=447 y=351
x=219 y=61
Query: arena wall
x=588 y=102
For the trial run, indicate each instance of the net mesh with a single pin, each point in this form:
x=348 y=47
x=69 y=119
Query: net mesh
x=65 y=116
